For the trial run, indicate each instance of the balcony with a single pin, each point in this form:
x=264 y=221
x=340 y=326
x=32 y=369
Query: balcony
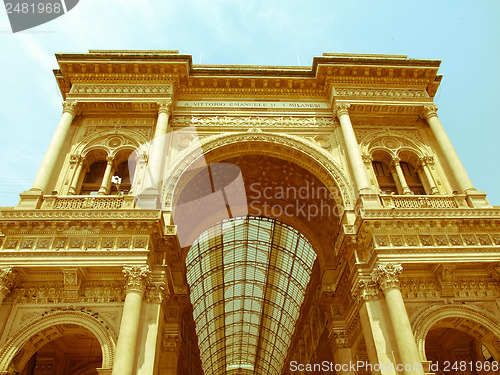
x=423 y=201
x=83 y=202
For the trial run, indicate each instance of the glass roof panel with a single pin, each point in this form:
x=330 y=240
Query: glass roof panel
x=247 y=277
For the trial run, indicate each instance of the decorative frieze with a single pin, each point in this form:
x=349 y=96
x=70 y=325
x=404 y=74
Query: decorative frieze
x=138 y=278
x=81 y=240
x=120 y=90
x=253 y=121
x=419 y=289
x=365 y=93
x=436 y=241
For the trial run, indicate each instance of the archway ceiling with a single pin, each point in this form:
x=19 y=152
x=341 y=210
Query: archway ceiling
x=282 y=190
x=247 y=280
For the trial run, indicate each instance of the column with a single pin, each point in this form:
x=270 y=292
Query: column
x=456 y=167
x=353 y=152
x=7 y=278
x=78 y=161
x=376 y=330
x=387 y=277
x=106 y=180
x=342 y=354
x=171 y=347
x=138 y=279
x=160 y=143
x=401 y=176
x=55 y=147
x=424 y=164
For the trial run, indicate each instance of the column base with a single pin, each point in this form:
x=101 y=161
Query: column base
x=104 y=371
x=30 y=200
x=148 y=199
x=477 y=199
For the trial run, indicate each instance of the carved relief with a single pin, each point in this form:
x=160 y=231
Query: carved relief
x=387 y=275
x=138 y=278
x=252 y=121
x=7 y=279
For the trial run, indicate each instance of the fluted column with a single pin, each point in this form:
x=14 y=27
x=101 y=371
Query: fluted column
x=401 y=176
x=138 y=279
x=424 y=164
x=160 y=142
x=387 y=277
x=78 y=161
x=106 y=180
x=451 y=156
x=55 y=147
x=353 y=152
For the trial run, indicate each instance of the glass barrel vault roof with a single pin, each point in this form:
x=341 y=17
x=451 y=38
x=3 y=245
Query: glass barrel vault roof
x=248 y=278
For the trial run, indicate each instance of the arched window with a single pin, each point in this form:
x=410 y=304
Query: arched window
x=121 y=181
x=412 y=179
x=93 y=178
x=384 y=177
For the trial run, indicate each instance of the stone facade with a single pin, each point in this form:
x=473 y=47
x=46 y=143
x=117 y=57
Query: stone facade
x=92 y=263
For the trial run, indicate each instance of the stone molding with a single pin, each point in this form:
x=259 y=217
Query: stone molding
x=120 y=90
x=426 y=318
x=138 y=278
x=83 y=318
x=390 y=93
x=387 y=275
x=253 y=121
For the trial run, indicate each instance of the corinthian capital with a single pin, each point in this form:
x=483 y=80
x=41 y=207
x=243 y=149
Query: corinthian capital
x=387 y=275
x=7 y=278
x=70 y=106
x=430 y=111
x=365 y=290
x=138 y=278
x=165 y=106
x=341 y=109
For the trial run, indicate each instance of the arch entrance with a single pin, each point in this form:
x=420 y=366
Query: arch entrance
x=59 y=343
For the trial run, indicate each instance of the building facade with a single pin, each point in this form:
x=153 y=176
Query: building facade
x=249 y=220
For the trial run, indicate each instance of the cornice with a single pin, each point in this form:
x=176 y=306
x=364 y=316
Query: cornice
x=121 y=214
x=314 y=81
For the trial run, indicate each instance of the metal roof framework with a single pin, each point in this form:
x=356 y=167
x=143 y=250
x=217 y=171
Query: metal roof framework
x=248 y=277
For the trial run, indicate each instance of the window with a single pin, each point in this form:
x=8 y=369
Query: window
x=412 y=178
x=384 y=178
x=93 y=178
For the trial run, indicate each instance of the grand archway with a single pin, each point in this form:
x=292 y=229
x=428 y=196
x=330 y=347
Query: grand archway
x=68 y=341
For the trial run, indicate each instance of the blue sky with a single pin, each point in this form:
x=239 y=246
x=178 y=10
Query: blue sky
x=465 y=35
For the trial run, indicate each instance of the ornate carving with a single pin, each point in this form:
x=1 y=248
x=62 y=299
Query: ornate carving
x=171 y=341
x=252 y=121
x=341 y=109
x=365 y=290
x=340 y=339
x=387 y=275
x=165 y=107
x=99 y=203
x=138 y=278
x=7 y=279
x=120 y=90
x=430 y=111
x=70 y=106
x=156 y=292
x=370 y=93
